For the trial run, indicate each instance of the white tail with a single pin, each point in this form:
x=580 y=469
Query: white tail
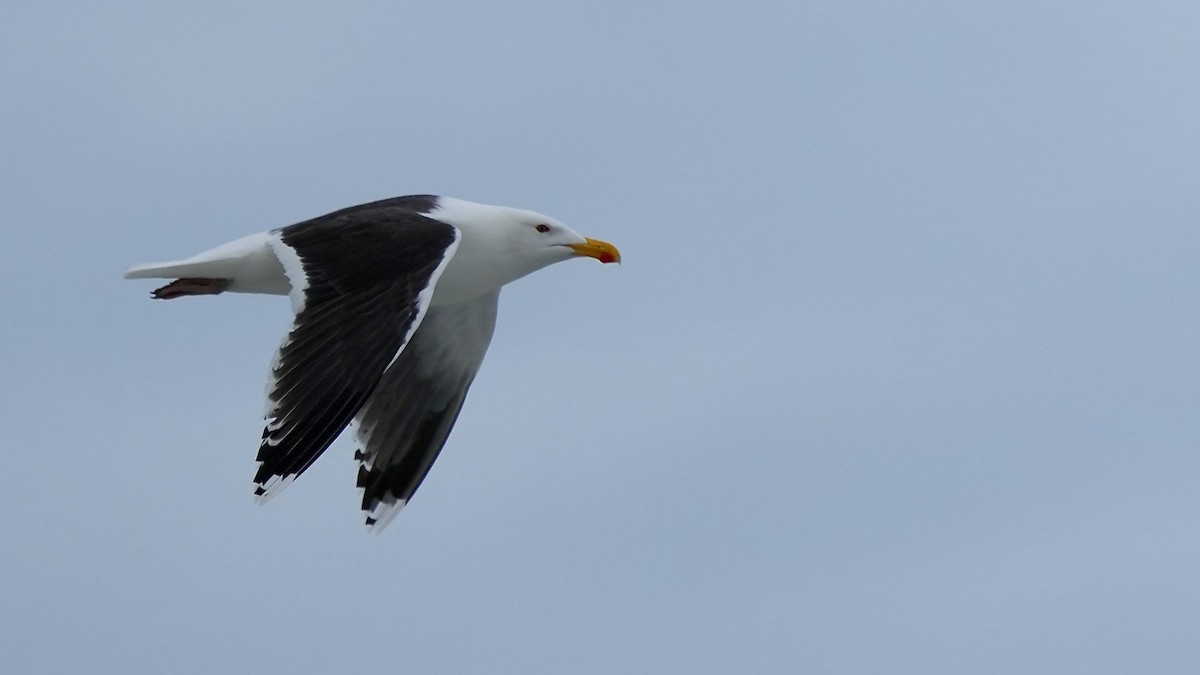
x=249 y=263
x=180 y=269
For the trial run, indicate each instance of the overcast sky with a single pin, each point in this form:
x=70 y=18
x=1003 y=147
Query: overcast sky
x=899 y=375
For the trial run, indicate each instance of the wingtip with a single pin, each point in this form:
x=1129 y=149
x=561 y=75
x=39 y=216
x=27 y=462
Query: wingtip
x=265 y=492
x=382 y=515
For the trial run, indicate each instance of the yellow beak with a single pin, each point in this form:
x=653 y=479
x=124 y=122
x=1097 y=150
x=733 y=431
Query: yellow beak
x=600 y=250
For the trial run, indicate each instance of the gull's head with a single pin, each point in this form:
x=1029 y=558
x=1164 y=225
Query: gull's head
x=541 y=237
x=526 y=240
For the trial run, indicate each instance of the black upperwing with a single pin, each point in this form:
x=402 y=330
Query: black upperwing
x=367 y=277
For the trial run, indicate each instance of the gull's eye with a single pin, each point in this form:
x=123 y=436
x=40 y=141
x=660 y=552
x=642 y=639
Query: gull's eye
x=542 y=227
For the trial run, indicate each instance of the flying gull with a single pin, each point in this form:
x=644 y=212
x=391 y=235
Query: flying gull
x=395 y=303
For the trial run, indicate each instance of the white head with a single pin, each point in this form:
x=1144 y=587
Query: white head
x=502 y=244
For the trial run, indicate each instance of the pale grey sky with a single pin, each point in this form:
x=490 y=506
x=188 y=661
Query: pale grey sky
x=899 y=375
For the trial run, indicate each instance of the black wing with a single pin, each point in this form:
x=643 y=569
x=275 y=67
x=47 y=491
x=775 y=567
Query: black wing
x=361 y=281
x=404 y=425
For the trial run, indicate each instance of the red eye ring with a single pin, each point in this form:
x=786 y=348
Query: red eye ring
x=542 y=227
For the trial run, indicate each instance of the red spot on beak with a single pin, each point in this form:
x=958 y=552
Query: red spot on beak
x=600 y=250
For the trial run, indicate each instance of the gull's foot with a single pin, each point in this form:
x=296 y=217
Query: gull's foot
x=181 y=287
